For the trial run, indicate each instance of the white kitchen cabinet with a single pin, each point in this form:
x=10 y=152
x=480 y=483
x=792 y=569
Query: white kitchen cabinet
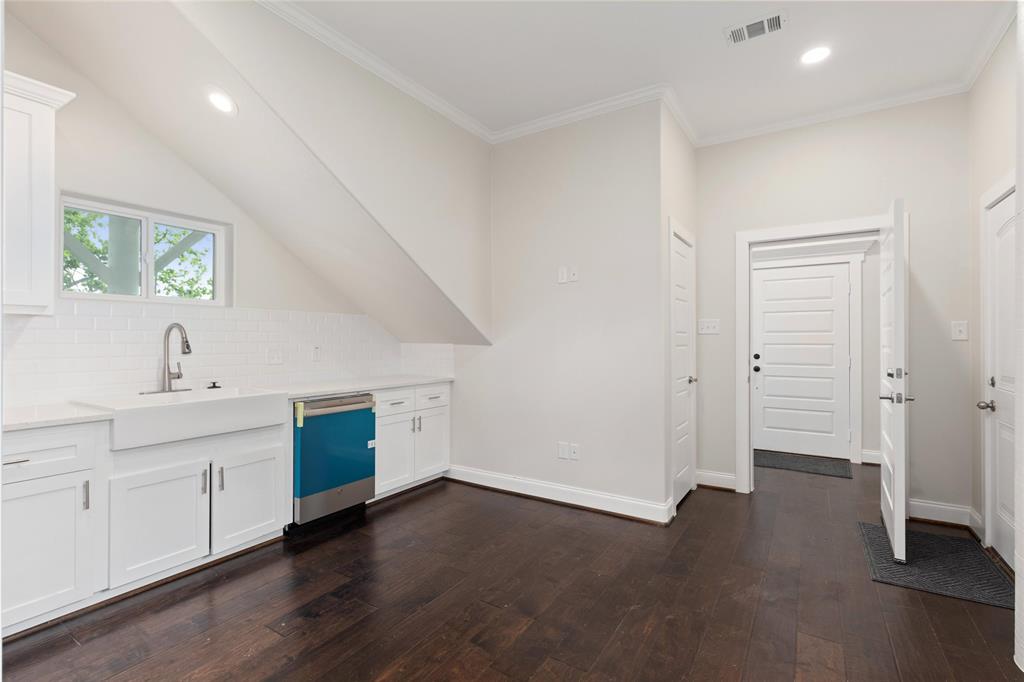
x=159 y=518
x=395 y=451
x=413 y=436
x=47 y=544
x=433 y=431
x=30 y=216
x=246 y=497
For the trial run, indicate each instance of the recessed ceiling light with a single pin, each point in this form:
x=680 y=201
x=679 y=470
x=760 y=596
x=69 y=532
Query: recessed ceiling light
x=815 y=55
x=221 y=101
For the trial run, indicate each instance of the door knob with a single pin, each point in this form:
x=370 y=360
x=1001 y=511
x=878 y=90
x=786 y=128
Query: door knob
x=891 y=398
x=990 y=405
x=691 y=380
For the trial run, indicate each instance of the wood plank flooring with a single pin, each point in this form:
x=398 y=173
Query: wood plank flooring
x=452 y=582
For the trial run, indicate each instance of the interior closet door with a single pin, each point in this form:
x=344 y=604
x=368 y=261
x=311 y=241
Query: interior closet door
x=800 y=359
x=684 y=362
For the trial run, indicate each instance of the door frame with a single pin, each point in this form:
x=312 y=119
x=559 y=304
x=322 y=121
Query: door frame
x=745 y=240
x=855 y=261
x=994 y=195
x=677 y=231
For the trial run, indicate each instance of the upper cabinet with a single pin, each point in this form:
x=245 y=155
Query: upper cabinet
x=30 y=194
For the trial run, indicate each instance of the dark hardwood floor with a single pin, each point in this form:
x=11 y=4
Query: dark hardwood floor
x=452 y=582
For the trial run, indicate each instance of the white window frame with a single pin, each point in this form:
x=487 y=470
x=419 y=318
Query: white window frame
x=149 y=219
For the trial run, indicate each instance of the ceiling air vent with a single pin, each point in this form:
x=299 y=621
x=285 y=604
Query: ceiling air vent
x=755 y=29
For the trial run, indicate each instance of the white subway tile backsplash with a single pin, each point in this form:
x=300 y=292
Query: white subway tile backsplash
x=91 y=348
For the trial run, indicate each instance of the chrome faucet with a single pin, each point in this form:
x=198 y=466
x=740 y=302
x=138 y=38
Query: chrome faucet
x=186 y=349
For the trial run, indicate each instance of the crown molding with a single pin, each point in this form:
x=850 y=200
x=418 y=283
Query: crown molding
x=37 y=91
x=307 y=23
x=664 y=92
x=655 y=93
x=836 y=114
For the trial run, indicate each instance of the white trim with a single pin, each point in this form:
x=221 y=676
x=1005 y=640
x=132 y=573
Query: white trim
x=660 y=512
x=37 y=91
x=408 y=486
x=744 y=240
x=655 y=93
x=717 y=479
x=977 y=524
x=870 y=456
x=993 y=196
x=939 y=511
x=310 y=25
x=665 y=92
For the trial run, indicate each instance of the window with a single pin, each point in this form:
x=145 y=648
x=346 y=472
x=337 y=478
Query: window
x=114 y=251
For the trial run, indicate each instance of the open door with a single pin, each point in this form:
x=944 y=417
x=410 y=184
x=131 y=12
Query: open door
x=894 y=384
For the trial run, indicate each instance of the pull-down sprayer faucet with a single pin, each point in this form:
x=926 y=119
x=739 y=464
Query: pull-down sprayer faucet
x=186 y=349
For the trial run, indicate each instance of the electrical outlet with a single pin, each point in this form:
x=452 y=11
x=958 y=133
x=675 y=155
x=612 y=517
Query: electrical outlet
x=317 y=354
x=563 y=449
x=574 y=274
x=275 y=356
x=959 y=330
x=574 y=451
x=709 y=326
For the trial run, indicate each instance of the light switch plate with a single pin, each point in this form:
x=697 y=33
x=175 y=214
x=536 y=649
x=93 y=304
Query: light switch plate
x=959 y=330
x=563 y=449
x=563 y=274
x=709 y=326
x=574 y=451
x=275 y=355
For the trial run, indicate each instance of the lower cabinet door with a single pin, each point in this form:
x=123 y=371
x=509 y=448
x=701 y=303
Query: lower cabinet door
x=47 y=544
x=394 y=452
x=159 y=519
x=433 y=431
x=246 y=497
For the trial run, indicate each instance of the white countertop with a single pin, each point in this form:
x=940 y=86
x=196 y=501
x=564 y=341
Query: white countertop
x=57 y=414
x=339 y=386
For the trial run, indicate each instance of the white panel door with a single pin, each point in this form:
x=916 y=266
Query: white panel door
x=684 y=367
x=894 y=254
x=158 y=519
x=1000 y=374
x=395 y=458
x=246 y=497
x=800 y=359
x=433 y=436
x=47 y=544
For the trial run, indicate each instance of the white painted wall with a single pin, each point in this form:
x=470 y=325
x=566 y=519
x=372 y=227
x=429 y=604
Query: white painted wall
x=842 y=169
x=423 y=178
x=585 y=361
x=992 y=133
x=104 y=153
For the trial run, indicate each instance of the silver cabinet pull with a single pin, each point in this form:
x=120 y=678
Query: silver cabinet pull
x=85 y=494
x=205 y=474
x=414 y=424
x=396 y=403
x=220 y=473
x=433 y=397
x=420 y=426
x=17 y=461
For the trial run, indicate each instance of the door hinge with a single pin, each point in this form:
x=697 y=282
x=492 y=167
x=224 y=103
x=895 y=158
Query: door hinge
x=849 y=435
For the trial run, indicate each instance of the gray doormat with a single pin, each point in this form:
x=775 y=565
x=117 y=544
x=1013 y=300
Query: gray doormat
x=951 y=566
x=826 y=466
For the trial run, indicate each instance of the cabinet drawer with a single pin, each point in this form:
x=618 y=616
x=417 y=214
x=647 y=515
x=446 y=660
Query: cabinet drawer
x=50 y=451
x=433 y=396
x=395 y=402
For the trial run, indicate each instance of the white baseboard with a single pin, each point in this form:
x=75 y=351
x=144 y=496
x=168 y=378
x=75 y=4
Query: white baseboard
x=940 y=511
x=870 y=457
x=978 y=525
x=716 y=479
x=581 y=497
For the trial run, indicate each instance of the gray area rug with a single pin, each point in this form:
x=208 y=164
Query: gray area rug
x=942 y=564
x=826 y=466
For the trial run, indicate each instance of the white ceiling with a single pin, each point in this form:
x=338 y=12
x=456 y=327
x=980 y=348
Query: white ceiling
x=502 y=69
